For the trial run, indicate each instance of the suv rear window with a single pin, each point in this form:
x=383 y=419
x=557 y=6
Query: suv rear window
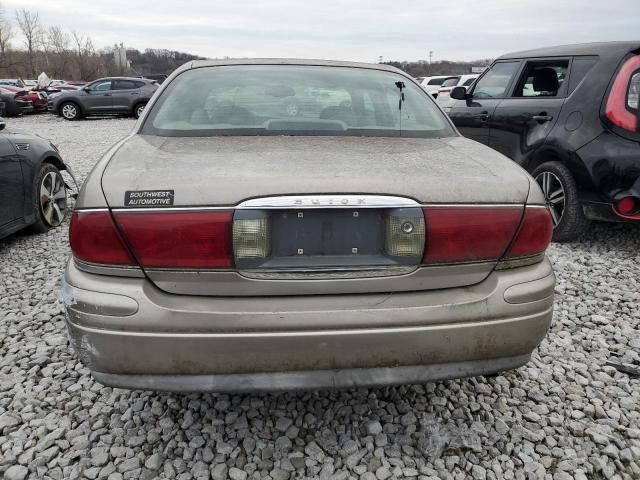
x=294 y=100
x=127 y=84
x=579 y=69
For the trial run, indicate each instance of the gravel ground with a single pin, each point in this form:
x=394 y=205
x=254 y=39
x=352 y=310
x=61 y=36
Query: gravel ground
x=564 y=415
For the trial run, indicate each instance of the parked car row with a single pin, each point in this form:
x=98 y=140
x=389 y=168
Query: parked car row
x=105 y=96
x=438 y=84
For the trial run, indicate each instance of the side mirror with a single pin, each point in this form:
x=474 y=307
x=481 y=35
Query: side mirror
x=458 y=93
x=2 y=123
x=86 y=89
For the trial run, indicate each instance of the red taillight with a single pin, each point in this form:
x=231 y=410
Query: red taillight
x=627 y=205
x=444 y=90
x=534 y=234
x=616 y=109
x=178 y=239
x=462 y=234
x=94 y=238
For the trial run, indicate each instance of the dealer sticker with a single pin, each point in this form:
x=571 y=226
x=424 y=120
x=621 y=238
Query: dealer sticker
x=148 y=198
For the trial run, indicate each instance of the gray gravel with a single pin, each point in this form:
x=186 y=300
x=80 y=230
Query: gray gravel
x=565 y=415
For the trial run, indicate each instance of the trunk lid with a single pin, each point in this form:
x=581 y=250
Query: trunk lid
x=228 y=170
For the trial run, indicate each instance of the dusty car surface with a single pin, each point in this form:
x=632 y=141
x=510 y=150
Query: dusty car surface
x=237 y=247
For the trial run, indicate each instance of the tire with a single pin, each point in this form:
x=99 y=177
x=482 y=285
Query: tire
x=561 y=194
x=70 y=111
x=138 y=109
x=49 y=199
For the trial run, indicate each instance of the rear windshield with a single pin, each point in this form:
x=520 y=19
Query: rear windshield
x=294 y=100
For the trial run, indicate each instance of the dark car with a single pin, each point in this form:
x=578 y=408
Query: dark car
x=15 y=103
x=38 y=99
x=33 y=192
x=570 y=115
x=106 y=96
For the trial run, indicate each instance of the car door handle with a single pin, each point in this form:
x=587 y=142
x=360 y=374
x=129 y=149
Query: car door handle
x=106 y=95
x=543 y=117
x=484 y=116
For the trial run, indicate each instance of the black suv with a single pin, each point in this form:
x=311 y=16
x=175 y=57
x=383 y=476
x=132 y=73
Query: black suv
x=570 y=115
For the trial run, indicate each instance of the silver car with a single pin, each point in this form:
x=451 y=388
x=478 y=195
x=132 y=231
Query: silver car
x=237 y=247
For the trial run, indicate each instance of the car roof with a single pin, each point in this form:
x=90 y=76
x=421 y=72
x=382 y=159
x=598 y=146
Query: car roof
x=596 y=48
x=290 y=61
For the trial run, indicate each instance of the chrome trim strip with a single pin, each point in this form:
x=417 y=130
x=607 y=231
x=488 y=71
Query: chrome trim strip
x=101 y=209
x=243 y=205
x=171 y=209
x=112 y=270
x=329 y=201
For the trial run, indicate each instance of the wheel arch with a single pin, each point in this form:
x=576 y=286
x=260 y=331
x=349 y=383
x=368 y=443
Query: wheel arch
x=55 y=161
x=572 y=161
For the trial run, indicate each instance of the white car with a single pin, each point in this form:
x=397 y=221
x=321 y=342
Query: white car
x=443 y=98
x=433 y=84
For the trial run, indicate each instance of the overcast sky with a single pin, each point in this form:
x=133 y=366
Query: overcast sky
x=351 y=30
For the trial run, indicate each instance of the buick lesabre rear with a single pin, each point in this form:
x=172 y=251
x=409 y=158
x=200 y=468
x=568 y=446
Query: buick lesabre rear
x=233 y=242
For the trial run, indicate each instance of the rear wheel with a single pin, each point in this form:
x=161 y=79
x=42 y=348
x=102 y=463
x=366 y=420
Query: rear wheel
x=50 y=199
x=138 y=109
x=70 y=111
x=561 y=195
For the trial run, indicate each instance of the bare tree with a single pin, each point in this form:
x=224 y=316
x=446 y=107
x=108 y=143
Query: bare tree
x=57 y=50
x=58 y=40
x=29 y=24
x=88 y=62
x=6 y=33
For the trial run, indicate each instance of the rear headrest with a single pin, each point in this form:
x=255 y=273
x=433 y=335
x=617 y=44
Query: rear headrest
x=545 y=80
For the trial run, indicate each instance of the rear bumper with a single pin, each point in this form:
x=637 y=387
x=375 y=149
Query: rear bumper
x=130 y=334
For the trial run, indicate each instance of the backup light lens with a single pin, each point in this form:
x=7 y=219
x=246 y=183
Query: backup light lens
x=404 y=235
x=633 y=97
x=252 y=238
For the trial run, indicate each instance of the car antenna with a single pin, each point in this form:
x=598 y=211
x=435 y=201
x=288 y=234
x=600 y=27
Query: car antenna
x=401 y=86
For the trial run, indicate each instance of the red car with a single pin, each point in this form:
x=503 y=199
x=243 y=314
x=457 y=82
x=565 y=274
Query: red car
x=38 y=99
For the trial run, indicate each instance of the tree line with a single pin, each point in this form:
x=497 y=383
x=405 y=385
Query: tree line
x=28 y=47
x=422 y=68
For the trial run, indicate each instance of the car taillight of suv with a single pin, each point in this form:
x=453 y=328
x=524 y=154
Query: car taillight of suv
x=623 y=103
